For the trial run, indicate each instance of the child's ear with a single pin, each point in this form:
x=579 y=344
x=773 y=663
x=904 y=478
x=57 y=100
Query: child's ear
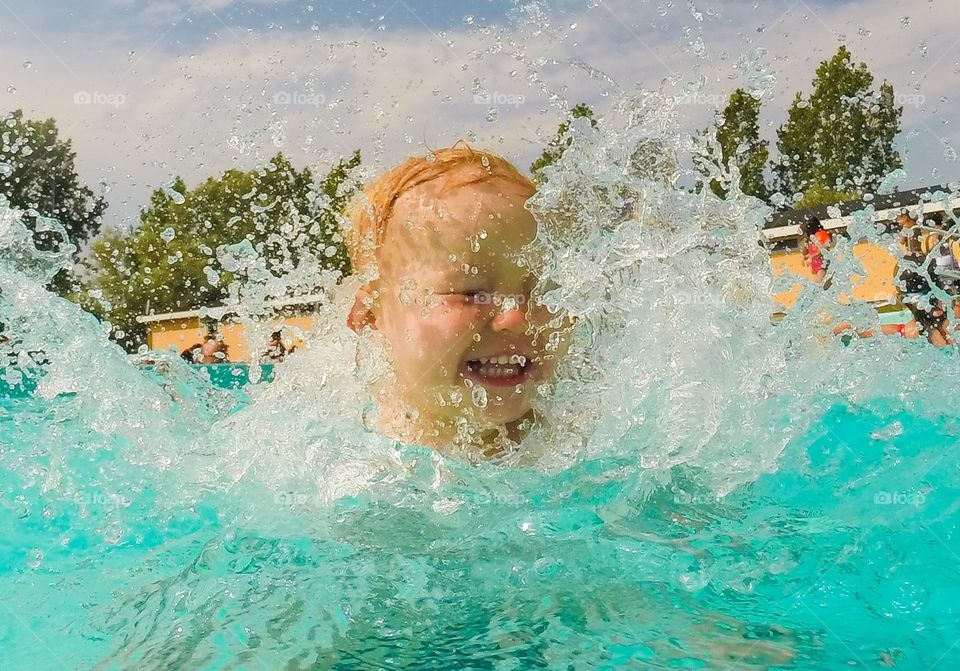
x=361 y=314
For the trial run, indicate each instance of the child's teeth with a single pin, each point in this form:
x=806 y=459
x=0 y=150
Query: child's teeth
x=495 y=370
x=503 y=359
x=504 y=365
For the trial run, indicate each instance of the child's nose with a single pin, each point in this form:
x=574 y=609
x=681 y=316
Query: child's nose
x=514 y=319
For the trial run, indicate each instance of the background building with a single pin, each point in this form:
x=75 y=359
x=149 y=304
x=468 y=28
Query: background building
x=935 y=208
x=187 y=329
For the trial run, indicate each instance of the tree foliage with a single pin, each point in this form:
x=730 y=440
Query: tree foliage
x=560 y=142
x=38 y=175
x=738 y=144
x=174 y=260
x=840 y=138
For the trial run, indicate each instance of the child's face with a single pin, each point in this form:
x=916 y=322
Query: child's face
x=454 y=303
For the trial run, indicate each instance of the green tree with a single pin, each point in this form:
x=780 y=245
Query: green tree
x=818 y=195
x=738 y=143
x=841 y=137
x=38 y=175
x=174 y=259
x=560 y=142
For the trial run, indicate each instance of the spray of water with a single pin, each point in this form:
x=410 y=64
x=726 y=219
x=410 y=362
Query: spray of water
x=675 y=358
x=677 y=383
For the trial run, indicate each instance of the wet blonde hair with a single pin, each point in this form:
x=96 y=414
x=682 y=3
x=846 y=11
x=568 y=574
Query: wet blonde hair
x=371 y=212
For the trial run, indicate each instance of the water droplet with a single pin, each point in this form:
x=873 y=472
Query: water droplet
x=168 y=234
x=905 y=21
x=479 y=396
x=949 y=153
x=493 y=114
x=27 y=65
x=174 y=195
x=34 y=558
x=11 y=89
x=213 y=277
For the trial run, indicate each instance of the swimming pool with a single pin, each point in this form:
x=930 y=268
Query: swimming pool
x=845 y=557
x=711 y=490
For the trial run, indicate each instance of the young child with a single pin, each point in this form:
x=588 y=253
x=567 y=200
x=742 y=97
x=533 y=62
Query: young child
x=438 y=242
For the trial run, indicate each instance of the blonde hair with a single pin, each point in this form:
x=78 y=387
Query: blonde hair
x=373 y=208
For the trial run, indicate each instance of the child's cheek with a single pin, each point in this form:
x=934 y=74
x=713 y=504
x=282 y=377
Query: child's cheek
x=450 y=322
x=433 y=336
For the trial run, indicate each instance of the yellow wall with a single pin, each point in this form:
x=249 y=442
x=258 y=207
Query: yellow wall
x=881 y=267
x=877 y=285
x=175 y=333
x=183 y=333
x=238 y=348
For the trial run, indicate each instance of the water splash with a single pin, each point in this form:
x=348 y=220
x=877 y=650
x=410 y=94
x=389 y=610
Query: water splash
x=696 y=466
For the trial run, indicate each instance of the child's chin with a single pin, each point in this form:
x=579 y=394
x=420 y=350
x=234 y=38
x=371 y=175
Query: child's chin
x=504 y=412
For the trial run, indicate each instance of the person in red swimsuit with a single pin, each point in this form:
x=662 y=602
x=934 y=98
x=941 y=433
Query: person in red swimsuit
x=814 y=239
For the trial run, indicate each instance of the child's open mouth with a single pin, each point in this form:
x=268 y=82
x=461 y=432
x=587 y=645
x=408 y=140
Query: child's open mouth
x=505 y=370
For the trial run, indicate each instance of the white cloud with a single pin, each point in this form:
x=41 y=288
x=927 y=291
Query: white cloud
x=201 y=109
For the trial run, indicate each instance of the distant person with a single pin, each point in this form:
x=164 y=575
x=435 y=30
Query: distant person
x=913 y=284
x=910 y=238
x=944 y=268
x=276 y=350
x=945 y=271
x=213 y=350
x=814 y=239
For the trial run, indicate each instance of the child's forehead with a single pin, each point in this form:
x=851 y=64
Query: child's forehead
x=478 y=224
x=457 y=212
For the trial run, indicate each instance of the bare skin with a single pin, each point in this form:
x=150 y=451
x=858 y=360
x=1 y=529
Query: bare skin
x=467 y=344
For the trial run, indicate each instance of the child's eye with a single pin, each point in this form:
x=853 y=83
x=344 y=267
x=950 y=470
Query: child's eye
x=473 y=297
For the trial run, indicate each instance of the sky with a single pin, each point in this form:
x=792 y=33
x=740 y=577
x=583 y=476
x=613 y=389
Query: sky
x=148 y=90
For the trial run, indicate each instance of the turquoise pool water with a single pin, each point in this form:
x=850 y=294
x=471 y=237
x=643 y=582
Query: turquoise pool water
x=845 y=557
